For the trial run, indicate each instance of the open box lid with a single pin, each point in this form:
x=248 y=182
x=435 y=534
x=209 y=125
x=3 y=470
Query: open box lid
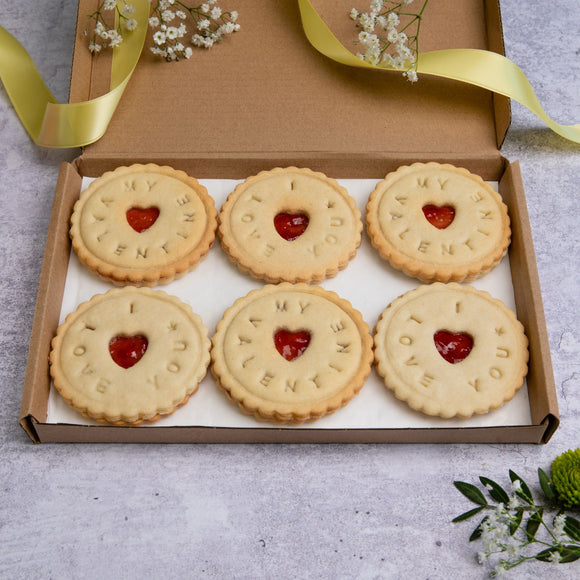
x=265 y=97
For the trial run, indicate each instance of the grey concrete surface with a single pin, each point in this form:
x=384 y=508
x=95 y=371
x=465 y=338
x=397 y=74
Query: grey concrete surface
x=254 y=511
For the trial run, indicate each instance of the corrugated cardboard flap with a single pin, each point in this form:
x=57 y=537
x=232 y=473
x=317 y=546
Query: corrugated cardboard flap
x=530 y=310
x=239 y=106
x=48 y=304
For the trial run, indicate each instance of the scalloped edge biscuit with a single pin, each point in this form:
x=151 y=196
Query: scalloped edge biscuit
x=252 y=243
x=87 y=378
x=256 y=378
x=411 y=367
x=175 y=263
x=463 y=251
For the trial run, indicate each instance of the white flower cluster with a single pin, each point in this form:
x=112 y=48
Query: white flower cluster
x=386 y=36
x=168 y=19
x=498 y=537
x=104 y=36
x=211 y=23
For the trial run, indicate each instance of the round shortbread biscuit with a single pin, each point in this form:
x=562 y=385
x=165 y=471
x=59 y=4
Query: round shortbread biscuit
x=254 y=362
x=465 y=244
x=96 y=368
x=323 y=247
x=450 y=350
x=143 y=225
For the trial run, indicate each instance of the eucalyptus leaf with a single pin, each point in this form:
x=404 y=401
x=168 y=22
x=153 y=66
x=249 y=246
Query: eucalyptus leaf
x=496 y=492
x=546 y=555
x=467 y=515
x=471 y=492
x=533 y=524
x=524 y=491
x=516 y=521
x=476 y=534
x=569 y=553
x=572 y=528
x=546 y=485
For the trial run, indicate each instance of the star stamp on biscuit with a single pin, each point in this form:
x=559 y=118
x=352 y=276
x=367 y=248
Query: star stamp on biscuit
x=438 y=223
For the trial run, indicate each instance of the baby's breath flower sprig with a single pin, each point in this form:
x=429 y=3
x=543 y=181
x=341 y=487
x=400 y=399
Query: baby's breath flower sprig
x=169 y=17
x=103 y=35
x=390 y=35
x=516 y=529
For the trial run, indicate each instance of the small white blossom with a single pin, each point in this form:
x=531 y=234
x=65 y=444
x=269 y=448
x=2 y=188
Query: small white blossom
x=181 y=14
x=159 y=37
x=130 y=24
x=204 y=8
x=392 y=35
x=110 y=4
x=167 y=15
x=559 y=523
x=227 y=28
x=376 y=5
x=216 y=12
x=115 y=38
x=153 y=21
x=513 y=548
x=516 y=485
x=94 y=47
x=555 y=557
x=128 y=9
x=393 y=19
x=203 y=24
x=172 y=33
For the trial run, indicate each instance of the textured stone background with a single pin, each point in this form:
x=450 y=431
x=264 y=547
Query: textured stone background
x=312 y=511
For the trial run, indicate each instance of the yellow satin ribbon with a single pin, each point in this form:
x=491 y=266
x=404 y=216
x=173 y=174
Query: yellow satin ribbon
x=51 y=124
x=488 y=70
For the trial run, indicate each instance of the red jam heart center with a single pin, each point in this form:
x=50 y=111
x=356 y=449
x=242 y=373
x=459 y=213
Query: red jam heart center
x=439 y=216
x=291 y=345
x=453 y=346
x=291 y=225
x=127 y=351
x=142 y=218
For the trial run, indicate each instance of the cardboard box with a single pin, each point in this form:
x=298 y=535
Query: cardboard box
x=265 y=98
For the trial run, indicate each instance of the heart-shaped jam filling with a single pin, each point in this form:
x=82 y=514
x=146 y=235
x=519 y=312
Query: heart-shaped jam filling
x=127 y=351
x=142 y=218
x=439 y=216
x=453 y=346
x=291 y=225
x=291 y=345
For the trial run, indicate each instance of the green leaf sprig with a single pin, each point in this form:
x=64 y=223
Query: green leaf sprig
x=517 y=527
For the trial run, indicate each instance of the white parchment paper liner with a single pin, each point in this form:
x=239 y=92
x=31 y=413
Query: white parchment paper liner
x=368 y=282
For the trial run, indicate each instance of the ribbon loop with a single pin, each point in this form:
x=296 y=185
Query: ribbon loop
x=51 y=124
x=481 y=68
